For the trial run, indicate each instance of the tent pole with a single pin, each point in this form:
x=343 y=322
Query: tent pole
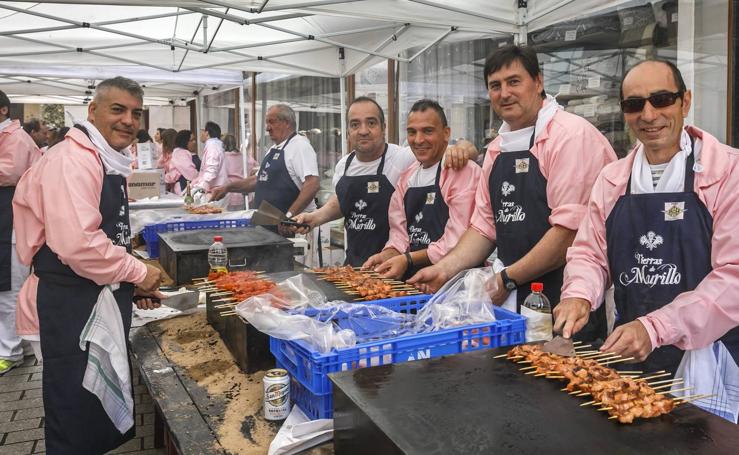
x=279 y=7
x=342 y=102
x=242 y=134
x=433 y=43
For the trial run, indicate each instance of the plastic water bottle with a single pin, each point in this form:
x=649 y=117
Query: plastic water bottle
x=538 y=313
x=218 y=256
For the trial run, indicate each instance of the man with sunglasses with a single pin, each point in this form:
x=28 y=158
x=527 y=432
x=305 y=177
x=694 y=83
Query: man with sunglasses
x=660 y=226
x=531 y=196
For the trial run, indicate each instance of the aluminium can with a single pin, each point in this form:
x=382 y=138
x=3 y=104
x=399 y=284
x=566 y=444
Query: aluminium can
x=276 y=394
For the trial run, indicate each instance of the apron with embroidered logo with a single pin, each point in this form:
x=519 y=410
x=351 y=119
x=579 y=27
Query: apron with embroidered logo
x=659 y=246
x=364 y=201
x=75 y=421
x=274 y=183
x=518 y=193
x=426 y=215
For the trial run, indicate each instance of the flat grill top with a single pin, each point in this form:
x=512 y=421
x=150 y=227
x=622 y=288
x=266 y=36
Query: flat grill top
x=201 y=239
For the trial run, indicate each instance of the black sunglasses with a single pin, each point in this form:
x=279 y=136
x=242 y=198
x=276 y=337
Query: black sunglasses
x=658 y=100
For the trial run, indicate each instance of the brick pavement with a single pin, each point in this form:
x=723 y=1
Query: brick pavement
x=22 y=414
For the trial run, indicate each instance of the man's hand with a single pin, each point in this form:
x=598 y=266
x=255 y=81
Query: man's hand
x=456 y=156
x=306 y=218
x=379 y=258
x=495 y=287
x=152 y=279
x=629 y=340
x=429 y=279
x=570 y=316
x=218 y=193
x=148 y=303
x=393 y=268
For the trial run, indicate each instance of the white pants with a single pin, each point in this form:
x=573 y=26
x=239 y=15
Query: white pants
x=10 y=343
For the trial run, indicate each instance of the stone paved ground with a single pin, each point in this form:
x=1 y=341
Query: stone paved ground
x=22 y=414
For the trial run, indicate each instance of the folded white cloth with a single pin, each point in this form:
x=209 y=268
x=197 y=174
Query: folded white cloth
x=673 y=178
x=116 y=163
x=108 y=375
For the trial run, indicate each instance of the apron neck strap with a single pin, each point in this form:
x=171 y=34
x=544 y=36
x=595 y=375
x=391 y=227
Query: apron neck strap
x=382 y=161
x=438 y=175
x=286 y=142
x=533 y=137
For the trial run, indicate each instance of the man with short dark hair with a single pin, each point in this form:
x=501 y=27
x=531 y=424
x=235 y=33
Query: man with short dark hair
x=38 y=132
x=213 y=171
x=661 y=226
x=535 y=181
x=288 y=175
x=432 y=204
x=17 y=153
x=71 y=215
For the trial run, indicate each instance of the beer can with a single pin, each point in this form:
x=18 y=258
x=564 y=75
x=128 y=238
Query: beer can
x=276 y=394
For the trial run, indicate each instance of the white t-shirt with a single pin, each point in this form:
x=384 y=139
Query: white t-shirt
x=424 y=177
x=300 y=160
x=397 y=160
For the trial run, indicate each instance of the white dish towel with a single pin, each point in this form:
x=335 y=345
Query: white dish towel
x=108 y=375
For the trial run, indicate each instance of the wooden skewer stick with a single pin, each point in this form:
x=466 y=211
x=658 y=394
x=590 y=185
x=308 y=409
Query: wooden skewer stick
x=679 y=390
x=613 y=418
x=582 y=346
x=631 y=371
x=528 y=368
x=559 y=376
x=525 y=361
x=530 y=372
x=588 y=403
x=563 y=389
x=605 y=360
x=596 y=356
x=576 y=342
x=537 y=375
x=225 y=305
x=580 y=354
x=217 y=294
x=689 y=398
x=228 y=313
x=617 y=361
x=204 y=278
x=607 y=408
x=226 y=299
x=666 y=381
x=667 y=385
x=657 y=374
x=500 y=356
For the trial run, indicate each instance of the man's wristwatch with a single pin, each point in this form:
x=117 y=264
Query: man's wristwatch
x=508 y=282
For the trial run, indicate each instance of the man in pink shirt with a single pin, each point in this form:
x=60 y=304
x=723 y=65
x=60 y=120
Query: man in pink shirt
x=432 y=205
x=17 y=152
x=72 y=224
x=213 y=172
x=660 y=225
x=535 y=182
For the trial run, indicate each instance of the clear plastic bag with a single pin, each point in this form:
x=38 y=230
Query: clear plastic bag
x=463 y=300
x=298 y=292
x=368 y=322
x=264 y=313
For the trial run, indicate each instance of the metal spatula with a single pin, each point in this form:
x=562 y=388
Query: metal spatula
x=560 y=346
x=269 y=215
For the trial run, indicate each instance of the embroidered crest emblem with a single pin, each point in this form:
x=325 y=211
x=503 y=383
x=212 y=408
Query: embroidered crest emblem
x=360 y=205
x=419 y=217
x=430 y=198
x=674 y=211
x=651 y=240
x=507 y=188
x=522 y=165
x=373 y=187
x=276 y=156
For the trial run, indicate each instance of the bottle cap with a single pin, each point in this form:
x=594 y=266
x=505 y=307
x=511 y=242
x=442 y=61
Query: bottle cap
x=537 y=287
x=218 y=238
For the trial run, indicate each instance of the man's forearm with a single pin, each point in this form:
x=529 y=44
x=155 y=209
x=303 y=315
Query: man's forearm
x=244 y=186
x=329 y=212
x=307 y=194
x=420 y=258
x=473 y=248
x=547 y=255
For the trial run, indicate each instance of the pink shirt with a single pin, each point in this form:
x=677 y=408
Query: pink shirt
x=57 y=202
x=213 y=171
x=571 y=152
x=693 y=319
x=457 y=190
x=235 y=171
x=176 y=165
x=17 y=153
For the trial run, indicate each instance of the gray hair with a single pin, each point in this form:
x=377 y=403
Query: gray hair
x=121 y=83
x=286 y=114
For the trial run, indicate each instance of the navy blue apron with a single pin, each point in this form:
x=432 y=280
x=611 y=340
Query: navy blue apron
x=518 y=193
x=196 y=161
x=426 y=215
x=75 y=421
x=659 y=245
x=6 y=235
x=274 y=184
x=364 y=201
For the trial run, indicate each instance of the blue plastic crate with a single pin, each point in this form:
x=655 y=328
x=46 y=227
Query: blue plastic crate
x=313 y=405
x=151 y=231
x=311 y=368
